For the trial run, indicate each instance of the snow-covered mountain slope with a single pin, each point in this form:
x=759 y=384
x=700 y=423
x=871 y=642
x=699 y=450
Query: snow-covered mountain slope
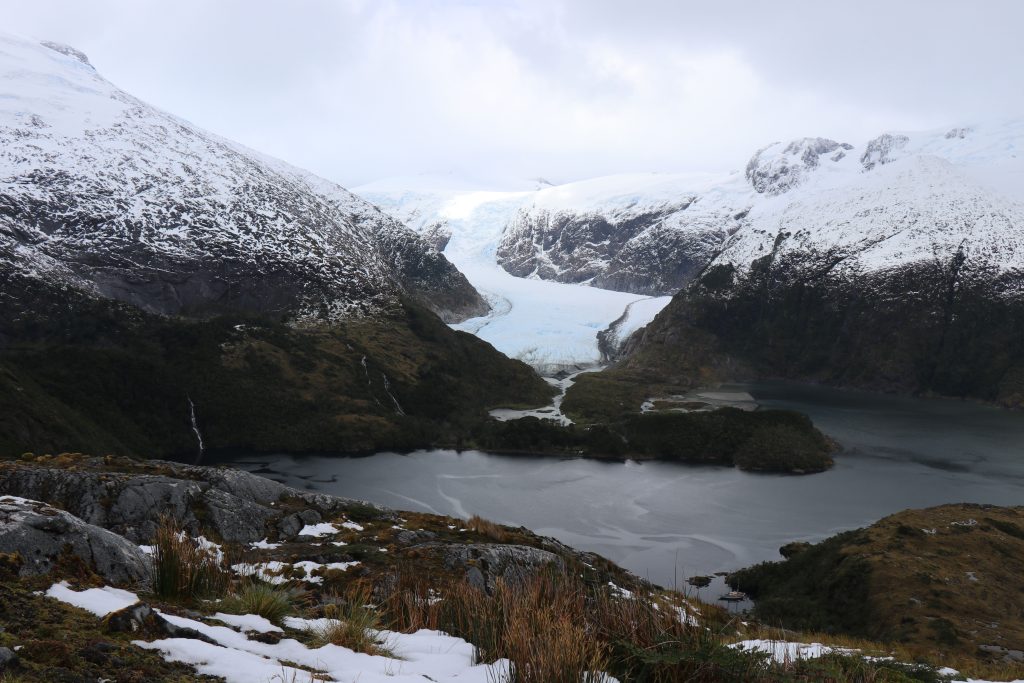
x=639 y=233
x=896 y=197
x=898 y=200
x=897 y=235
x=644 y=233
x=550 y=325
x=897 y=265
x=106 y=194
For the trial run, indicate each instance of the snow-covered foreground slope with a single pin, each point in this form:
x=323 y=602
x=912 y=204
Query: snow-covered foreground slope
x=237 y=658
x=104 y=193
x=551 y=325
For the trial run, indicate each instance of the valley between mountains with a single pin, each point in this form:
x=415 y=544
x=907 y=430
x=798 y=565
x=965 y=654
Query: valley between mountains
x=169 y=296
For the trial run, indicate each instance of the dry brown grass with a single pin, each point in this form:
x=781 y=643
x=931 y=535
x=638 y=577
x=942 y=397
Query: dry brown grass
x=557 y=628
x=352 y=622
x=479 y=525
x=182 y=570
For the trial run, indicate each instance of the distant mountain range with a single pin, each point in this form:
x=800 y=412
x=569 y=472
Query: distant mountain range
x=896 y=263
x=889 y=201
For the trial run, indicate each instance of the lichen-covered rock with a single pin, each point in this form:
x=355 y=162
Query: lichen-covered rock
x=486 y=563
x=229 y=505
x=40 y=534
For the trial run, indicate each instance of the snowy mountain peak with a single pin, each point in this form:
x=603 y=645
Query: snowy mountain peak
x=66 y=50
x=776 y=169
x=105 y=193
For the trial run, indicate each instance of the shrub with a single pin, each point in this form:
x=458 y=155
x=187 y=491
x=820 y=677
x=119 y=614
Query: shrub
x=409 y=602
x=782 y=448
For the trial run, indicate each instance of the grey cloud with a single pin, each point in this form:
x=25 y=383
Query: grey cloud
x=367 y=88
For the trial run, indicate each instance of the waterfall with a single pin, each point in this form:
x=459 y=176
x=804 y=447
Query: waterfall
x=387 y=388
x=195 y=427
x=369 y=382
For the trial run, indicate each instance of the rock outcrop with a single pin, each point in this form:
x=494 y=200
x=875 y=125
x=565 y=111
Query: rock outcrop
x=642 y=249
x=40 y=535
x=484 y=564
x=778 y=168
x=232 y=506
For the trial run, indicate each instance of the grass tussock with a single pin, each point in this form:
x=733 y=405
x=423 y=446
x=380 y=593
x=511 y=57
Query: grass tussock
x=352 y=622
x=409 y=601
x=484 y=527
x=273 y=603
x=183 y=571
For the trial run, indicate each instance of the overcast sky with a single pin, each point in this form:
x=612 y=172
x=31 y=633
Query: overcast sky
x=565 y=89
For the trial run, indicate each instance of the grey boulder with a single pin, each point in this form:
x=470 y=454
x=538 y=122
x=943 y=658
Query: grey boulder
x=39 y=534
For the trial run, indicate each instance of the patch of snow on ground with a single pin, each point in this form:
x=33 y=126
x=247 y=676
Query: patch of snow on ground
x=248 y=622
x=318 y=530
x=271 y=572
x=276 y=573
x=99 y=601
x=783 y=651
x=424 y=655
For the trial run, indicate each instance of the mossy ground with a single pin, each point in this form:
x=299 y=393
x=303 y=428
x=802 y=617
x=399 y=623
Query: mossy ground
x=61 y=644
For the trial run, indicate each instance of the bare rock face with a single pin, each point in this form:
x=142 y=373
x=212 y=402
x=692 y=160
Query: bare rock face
x=879 y=151
x=67 y=50
x=231 y=505
x=437 y=235
x=39 y=534
x=775 y=169
x=641 y=249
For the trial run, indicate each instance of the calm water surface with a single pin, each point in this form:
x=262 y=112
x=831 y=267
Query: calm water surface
x=668 y=521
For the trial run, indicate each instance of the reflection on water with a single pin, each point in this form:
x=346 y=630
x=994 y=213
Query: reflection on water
x=668 y=521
